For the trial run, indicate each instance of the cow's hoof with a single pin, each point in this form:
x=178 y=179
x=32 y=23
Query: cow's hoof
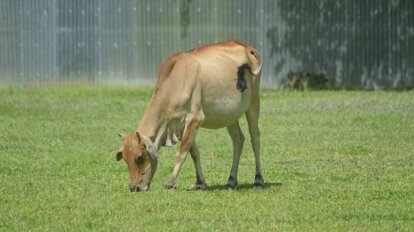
x=258 y=183
x=200 y=186
x=170 y=186
x=231 y=183
x=230 y=186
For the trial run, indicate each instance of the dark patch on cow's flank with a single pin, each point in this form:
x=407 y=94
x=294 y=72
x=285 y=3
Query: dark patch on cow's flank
x=241 y=80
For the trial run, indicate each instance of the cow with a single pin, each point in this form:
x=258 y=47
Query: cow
x=209 y=87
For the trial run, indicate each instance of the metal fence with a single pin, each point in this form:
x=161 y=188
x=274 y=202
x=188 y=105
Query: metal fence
x=359 y=43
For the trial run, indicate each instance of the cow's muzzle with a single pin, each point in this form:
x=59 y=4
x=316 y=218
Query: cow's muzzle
x=139 y=188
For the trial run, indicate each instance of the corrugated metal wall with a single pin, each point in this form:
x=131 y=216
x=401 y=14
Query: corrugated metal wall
x=365 y=44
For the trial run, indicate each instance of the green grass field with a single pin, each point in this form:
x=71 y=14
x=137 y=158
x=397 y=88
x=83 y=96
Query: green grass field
x=331 y=161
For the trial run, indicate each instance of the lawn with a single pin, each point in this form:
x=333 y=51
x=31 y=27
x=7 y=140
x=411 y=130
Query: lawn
x=331 y=161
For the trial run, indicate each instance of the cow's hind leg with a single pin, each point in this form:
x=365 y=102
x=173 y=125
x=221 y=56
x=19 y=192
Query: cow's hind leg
x=195 y=154
x=238 y=140
x=253 y=120
x=186 y=142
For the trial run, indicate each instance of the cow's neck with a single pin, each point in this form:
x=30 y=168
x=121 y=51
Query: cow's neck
x=154 y=124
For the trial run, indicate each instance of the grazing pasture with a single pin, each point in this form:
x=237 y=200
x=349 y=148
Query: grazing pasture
x=331 y=161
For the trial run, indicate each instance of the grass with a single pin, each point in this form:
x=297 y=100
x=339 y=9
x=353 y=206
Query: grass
x=331 y=161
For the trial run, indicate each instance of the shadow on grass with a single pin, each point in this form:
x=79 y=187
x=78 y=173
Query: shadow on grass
x=267 y=185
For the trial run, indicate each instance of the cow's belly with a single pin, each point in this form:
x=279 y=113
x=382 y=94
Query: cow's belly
x=223 y=109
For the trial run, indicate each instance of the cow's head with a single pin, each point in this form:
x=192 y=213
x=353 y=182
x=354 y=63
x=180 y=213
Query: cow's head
x=140 y=154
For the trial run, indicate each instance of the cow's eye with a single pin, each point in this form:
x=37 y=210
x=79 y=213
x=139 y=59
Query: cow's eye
x=139 y=160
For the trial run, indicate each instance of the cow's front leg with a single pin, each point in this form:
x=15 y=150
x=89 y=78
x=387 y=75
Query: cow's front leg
x=190 y=131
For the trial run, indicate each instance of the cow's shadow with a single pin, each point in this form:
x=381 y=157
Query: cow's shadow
x=246 y=186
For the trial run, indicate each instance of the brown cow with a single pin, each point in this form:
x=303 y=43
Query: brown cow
x=210 y=87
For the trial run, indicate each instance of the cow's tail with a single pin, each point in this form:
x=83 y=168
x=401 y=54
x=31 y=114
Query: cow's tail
x=255 y=61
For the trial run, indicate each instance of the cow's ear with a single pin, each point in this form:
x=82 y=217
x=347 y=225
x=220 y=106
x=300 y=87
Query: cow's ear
x=138 y=137
x=151 y=151
x=121 y=135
